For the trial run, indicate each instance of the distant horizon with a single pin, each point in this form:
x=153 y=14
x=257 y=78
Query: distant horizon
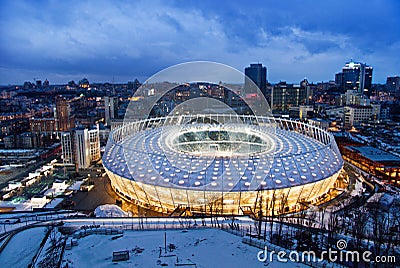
x=144 y=80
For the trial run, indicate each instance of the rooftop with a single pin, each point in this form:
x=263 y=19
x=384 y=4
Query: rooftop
x=375 y=154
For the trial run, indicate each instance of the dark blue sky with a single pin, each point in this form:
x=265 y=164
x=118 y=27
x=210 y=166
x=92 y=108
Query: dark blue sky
x=102 y=40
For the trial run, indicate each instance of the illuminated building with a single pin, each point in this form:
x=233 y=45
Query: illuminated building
x=81 y=147
x=67 y=148
x=63 y=118
x=354 y=115
x=357 y=76
x=84 y=83
x=285 y=96
x=43 y=126
x=220 y=163
x=381 y=164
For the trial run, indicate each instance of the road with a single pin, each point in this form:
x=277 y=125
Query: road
x=101 y=194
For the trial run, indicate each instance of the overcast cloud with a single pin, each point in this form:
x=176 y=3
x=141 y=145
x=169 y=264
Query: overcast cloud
x=122 y=40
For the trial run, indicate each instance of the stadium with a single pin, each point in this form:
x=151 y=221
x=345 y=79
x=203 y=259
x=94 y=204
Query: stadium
x=222 y=163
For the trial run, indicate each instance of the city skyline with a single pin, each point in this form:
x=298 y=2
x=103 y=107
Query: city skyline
x=120 y=41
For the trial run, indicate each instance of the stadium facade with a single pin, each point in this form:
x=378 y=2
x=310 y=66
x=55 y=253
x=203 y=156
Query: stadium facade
x=222 y=163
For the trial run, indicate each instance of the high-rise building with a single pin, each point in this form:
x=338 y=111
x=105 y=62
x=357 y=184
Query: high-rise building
x=258 y=74
x=43 y=126
x=45 y=129
x=285 y=96
x=81 y=147
x=64 y=120
x=339 y=81
x=67 y=148
x=111 y=109
x=355 y=76
x=393 y=85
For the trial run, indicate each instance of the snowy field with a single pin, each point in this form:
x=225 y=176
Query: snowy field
x=203 y=247
x=22 y=248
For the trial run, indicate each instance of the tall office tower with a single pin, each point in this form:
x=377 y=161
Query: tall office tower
x=94 y=143
x=258 y=74
x=393 y=85
x=81 y=147
x=87 y=146
x=111 y=109
x=67 y=148
x=355 y=76
x=64 y=120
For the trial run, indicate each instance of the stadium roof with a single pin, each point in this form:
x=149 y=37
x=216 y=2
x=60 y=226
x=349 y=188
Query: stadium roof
x=297 y=160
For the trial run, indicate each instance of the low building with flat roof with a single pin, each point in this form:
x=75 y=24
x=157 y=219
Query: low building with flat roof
x=381 y=164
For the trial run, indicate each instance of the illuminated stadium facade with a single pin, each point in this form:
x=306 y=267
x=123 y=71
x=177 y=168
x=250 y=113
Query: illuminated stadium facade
x=221 y=163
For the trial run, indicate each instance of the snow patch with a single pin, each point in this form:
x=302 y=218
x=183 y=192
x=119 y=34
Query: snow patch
x=109 y=211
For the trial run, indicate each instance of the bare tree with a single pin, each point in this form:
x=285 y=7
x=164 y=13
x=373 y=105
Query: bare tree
x=53 y=236
x=322 y=226
x=359 y=224
x=272 y=208
x=281 y=210
x=266 y=217
x=379 y=228
x=212 y=203
x=394 y=234
x=333 y=223
x=260 y=215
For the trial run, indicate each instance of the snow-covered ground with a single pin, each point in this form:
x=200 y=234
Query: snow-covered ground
x=76 y=186
x=19 y=206
x=48 y=256
x=13 y=221
x=22 y=248
x=55 y=202
x=203 y=247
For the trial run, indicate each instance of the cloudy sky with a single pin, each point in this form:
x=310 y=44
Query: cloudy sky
x=123 y=40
